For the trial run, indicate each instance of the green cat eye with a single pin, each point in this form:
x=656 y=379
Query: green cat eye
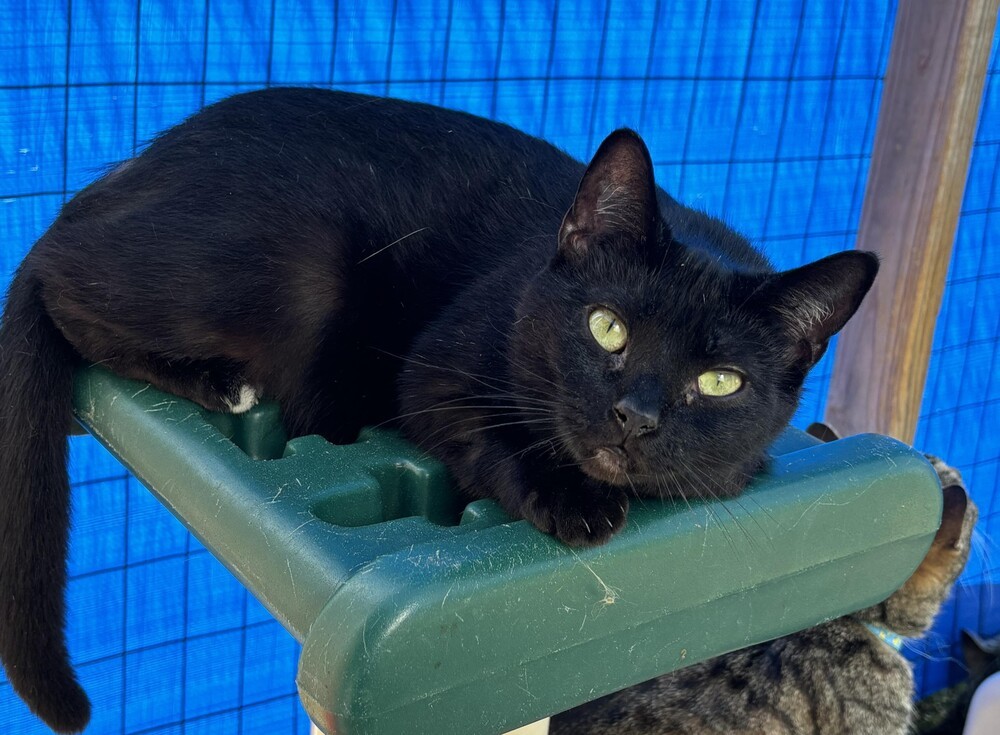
x=718 y=383
x=608 y=329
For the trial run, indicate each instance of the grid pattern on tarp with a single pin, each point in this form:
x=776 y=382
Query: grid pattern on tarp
x=763 y=112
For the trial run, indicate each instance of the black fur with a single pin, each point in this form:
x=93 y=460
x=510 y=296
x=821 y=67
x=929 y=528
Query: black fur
x=297 y=242
x=509 y=387
x=36 y=365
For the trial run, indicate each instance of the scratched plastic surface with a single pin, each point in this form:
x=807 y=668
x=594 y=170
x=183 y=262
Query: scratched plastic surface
x=420 y=612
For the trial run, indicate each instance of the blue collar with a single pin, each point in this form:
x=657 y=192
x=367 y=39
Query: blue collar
x=888 y=637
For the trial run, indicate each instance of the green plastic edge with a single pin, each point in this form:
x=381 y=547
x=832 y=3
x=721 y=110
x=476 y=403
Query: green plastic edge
x=410 y=626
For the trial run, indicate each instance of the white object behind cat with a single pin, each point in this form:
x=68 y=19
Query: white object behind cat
x=984 y=710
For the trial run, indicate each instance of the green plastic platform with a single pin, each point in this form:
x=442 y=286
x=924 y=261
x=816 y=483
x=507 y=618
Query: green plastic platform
x=421 y=613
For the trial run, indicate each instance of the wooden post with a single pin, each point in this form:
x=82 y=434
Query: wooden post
x=927 y=119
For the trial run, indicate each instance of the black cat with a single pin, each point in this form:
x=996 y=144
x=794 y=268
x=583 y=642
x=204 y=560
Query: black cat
x=564 y=333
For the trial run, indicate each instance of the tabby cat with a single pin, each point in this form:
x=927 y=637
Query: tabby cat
x=843 y=677
x=563 y=335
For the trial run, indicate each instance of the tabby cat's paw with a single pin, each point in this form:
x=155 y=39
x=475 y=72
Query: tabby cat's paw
x=947 y=474
x=586 y=520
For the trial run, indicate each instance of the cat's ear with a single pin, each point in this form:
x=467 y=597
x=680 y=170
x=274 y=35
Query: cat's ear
x=975 y=650
x=616 y=196
x=815 y=301
x=955 y=502
x=822 y=431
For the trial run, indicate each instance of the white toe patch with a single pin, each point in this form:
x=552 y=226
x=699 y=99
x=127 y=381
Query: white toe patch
x=247 y=400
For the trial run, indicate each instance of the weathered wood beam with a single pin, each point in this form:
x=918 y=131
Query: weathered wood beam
x=923 y=141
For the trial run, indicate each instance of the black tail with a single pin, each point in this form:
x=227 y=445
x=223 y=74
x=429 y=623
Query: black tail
x=36 y=380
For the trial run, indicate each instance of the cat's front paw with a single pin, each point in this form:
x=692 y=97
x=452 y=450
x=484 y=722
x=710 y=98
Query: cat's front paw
x=588 y=519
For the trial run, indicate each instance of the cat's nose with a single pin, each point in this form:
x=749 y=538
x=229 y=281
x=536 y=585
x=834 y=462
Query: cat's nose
x=637 y=416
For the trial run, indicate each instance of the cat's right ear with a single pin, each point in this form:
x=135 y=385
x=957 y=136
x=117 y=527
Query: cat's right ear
x=814 y=302
x=617 y=196
x=955 y=501
x=975 y=651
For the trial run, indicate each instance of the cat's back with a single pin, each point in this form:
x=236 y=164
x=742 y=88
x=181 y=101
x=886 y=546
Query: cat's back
x=831 y=680
x=339 y=152
x=304 y=174
x=291 y=167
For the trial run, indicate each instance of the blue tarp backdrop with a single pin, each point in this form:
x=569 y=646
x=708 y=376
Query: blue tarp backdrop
x=763 y=112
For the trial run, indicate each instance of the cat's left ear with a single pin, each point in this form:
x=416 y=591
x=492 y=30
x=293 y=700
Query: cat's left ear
x=815 y=301
x=616 y=196
x=975 y=650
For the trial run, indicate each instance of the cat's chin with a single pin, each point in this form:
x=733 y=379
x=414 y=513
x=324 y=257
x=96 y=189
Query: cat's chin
x=609 y=465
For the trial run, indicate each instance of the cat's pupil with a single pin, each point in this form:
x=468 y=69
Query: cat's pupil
x=607 y=330
x=717 y=383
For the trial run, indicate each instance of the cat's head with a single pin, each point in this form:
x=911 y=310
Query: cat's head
x=673 y=368
x=911 y=609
